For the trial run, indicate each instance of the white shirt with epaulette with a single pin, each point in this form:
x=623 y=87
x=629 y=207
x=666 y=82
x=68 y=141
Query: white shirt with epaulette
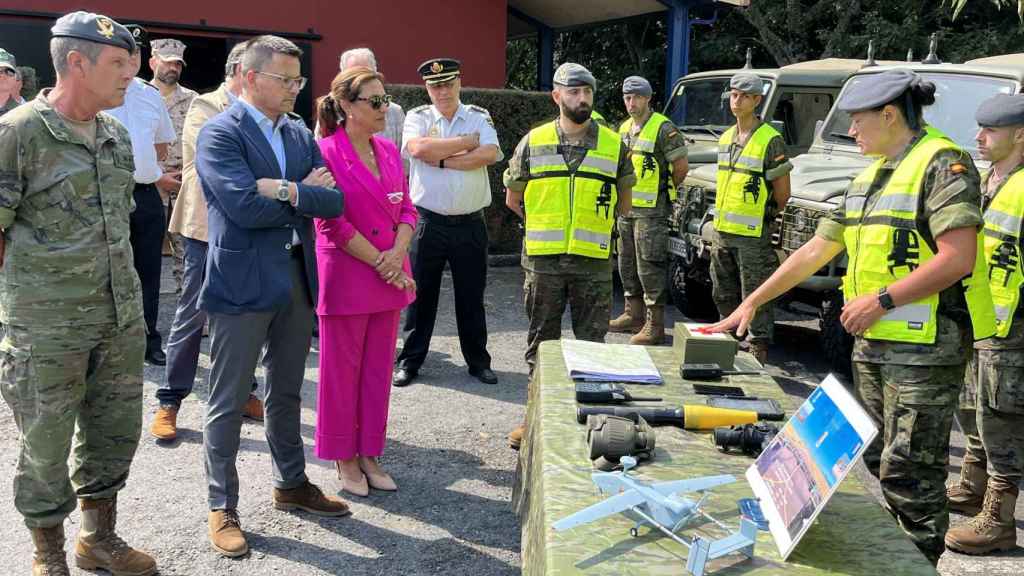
x=145 y=116
x=444 y=190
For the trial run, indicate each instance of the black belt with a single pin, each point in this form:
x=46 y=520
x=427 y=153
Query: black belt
x=446 y=220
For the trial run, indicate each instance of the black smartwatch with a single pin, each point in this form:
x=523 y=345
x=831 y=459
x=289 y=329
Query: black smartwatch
x=885 y=299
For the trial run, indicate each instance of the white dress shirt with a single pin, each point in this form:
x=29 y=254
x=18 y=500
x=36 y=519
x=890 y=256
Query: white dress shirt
x=445 y=190
x=144 y=115
x=272 y=132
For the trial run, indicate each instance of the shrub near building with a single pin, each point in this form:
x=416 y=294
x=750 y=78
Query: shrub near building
x=514 y=113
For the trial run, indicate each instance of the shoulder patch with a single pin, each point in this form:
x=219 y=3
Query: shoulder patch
x=957 y=168
x=419 y=109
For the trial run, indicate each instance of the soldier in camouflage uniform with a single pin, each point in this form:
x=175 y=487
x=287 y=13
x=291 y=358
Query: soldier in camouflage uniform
x=585 y=283
x=70 y=301
x=661 y=165
x=909 y=389
x=740 y=263
x=167 y=63
x=992 y=403
x=10 y=85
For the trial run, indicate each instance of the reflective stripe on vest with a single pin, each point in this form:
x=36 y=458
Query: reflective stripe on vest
x=884 y=245
x=742 y=192
x=645 y=164
x=570 y=211
x=1003 y=223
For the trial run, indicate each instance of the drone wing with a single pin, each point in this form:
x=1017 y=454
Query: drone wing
x=613 y=505
x=692 y=484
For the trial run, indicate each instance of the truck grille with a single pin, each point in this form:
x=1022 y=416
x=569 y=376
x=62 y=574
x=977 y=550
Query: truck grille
x=797 y=227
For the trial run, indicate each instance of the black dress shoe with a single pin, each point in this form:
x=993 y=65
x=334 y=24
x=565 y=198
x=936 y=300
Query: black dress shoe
x=156 y=357
x=403 y=377
x=485 y=375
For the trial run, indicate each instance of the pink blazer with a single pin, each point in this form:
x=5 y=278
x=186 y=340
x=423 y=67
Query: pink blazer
x=374 y=208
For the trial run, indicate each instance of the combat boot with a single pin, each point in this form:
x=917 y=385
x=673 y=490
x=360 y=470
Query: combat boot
x=99 y=546
x=631 y=319
x=992 y=529
x=967 y=495
x=759 y=350
x=515 y=437
x=48 y=558
x=653 y=331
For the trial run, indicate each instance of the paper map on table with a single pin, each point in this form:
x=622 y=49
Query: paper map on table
x=609 y=362
x=803 y=465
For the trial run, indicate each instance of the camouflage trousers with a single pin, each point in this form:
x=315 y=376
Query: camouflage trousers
x=54 y=379
x=643 y=258
x=735 y=273
x=913 y=408
x=177 y=247
x=545 y=297
x=991 y=415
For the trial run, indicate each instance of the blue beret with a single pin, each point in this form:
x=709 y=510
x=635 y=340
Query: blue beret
x=747 y=83
x=571 y=74
x=637 y=85
x=877 y=90
x=94 y=28
x=1001 y=110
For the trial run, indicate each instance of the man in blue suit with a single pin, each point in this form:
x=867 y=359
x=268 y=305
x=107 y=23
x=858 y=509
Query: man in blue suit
x=264 y=181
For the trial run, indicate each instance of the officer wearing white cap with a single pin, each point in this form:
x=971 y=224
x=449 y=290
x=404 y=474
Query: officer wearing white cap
x=71 y=370
x=753 y=186
x=567 y=249
x=146 y=118
x=450 y=145
x=915 y=293
x=991 y=411
x=658 y=152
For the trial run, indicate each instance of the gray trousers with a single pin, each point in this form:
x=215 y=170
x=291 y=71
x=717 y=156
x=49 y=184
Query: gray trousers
x=236 y=340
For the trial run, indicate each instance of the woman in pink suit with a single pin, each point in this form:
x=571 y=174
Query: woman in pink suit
x=365 y=279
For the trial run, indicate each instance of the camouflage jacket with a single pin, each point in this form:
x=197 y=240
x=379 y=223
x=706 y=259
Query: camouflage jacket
x=177 y=103
x=64 y=208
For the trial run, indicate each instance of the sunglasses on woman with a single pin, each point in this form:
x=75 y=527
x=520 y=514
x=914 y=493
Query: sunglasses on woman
x=377 y=100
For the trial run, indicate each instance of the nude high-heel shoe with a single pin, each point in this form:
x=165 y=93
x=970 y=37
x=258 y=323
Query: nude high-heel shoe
x=380 y=480
x=354 y=487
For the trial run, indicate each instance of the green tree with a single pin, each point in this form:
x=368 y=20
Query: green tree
x=959 y=5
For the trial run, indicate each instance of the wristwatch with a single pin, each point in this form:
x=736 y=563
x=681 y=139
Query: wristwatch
x=282 y=191
x=885 y=299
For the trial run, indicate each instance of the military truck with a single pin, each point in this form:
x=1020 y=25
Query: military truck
x=821 y=176
x=797 y=97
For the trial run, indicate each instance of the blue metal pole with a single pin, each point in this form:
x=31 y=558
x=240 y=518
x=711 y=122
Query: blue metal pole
x=545 y=57
x=678 y=42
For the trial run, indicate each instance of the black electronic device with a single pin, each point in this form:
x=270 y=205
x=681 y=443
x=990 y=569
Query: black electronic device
x=766 y=408
x=751 y=439
x=605 y=393
x=715 y=390
x=710 y=372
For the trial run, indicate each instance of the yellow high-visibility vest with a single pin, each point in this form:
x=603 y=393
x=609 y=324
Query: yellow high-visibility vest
x=742 y=192
x=646 y=166
x=1002 y=232
x=884 y=245
x=571 y=211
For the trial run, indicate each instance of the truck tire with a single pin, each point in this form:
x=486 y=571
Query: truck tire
x=690 y=295
x=836 y=342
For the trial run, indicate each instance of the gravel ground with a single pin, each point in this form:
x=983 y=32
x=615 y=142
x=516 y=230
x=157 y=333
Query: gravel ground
x=446 y=450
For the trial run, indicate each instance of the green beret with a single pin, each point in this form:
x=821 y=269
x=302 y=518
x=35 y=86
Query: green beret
x=1001 y=110
x=571 y=74
x=94 y=28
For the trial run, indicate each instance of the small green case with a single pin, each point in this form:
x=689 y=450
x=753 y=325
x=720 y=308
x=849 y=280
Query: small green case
x=695 y=348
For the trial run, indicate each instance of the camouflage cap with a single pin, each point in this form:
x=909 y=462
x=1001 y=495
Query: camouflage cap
x=1001 y=110
x=877 y=90
x=637 y=85
x=7 y=60
x=571 y=74
x=747 y=83
x=168 y=49
x=94 y=28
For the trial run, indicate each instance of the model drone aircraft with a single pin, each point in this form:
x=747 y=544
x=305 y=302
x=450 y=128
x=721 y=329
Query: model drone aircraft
x=661 y=506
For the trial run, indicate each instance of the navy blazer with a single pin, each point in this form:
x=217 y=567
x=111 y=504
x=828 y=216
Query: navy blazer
x=250 y=236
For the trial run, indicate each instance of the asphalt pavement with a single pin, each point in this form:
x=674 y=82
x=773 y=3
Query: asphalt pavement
x=446 y=450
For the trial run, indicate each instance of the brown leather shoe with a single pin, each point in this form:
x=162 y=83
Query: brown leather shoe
x=515 y=437
x=225 y=531
x=310 y=498
x=165 y=423
x=253 y=408
x=49 y=557
x=99 y=546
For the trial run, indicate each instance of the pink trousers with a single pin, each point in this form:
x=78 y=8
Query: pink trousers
x=356 y=357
